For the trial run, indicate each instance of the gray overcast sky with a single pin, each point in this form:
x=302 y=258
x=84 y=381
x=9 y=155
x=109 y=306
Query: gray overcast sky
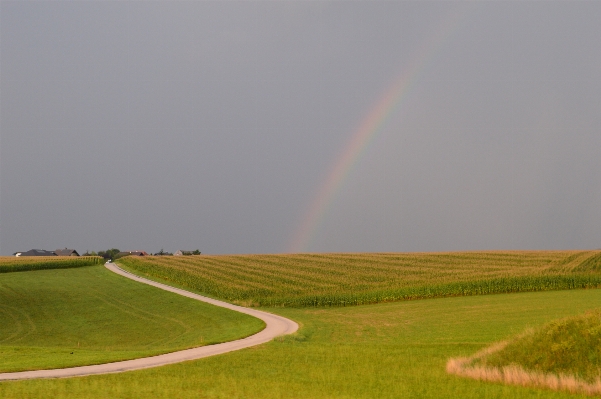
x=213 y=125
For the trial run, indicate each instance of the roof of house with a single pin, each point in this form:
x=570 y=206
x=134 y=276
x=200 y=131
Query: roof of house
x=66 y=252
x=36 y=252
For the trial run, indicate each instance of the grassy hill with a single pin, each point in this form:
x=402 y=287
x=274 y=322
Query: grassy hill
x=354 y=279
x=564 y=354
x=88 y=315
x=566 y=346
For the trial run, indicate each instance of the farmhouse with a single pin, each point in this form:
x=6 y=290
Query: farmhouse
x=66 y=252
x=35 y=252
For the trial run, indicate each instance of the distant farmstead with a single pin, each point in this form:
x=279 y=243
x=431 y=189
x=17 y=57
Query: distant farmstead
x=36 y=252
x=66 y=252
x=132 y=253
x=181 y=252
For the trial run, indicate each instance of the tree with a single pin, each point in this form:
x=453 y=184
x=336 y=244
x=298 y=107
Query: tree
x=195 y=252
x=109 y=253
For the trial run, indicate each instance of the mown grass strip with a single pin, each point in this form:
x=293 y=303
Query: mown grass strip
x=89 y=315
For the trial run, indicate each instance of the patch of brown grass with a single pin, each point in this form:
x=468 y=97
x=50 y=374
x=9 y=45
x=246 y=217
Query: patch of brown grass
x=516 y=375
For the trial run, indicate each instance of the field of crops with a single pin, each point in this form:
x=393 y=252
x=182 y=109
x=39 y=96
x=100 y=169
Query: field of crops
x=18 y=264
x=353 y=279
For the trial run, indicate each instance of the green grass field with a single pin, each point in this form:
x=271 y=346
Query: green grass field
x=391 y=350
x=89 y=315
x=386 y=350
x=355 y=279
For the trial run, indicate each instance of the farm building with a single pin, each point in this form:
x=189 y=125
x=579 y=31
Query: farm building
x=181 y=252
x=66 y=252
x=35 y=252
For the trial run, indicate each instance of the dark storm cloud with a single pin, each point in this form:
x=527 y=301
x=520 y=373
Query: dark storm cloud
x=212 y=124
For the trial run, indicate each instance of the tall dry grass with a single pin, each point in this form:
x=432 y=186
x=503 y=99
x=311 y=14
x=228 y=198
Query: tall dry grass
x=516 y=375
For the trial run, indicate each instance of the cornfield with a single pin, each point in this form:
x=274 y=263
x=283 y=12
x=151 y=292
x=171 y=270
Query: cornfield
x=17 y=264
x=352 y=279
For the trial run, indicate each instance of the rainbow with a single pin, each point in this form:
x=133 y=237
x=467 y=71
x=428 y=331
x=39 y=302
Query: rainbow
x=366 y=133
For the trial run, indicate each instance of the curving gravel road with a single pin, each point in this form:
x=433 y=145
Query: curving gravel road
x=276 y=326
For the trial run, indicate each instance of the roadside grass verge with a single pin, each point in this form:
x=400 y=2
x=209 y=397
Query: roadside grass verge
x=10 y=264
x=310 y=280
x=388 y=350
x=564 y=354
x=72 y=317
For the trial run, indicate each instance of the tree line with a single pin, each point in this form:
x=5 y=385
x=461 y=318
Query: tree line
x=113 y=253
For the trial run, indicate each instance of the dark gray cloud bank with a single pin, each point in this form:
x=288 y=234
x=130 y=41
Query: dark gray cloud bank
x=211 y=125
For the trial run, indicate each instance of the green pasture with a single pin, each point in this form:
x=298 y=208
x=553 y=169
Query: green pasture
x=389 y=350
x=88 y=315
